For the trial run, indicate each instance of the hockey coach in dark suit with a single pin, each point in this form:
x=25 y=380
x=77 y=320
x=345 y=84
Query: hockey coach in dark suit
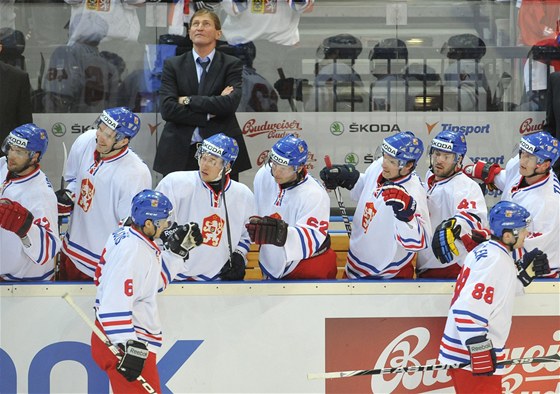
x=200 y=91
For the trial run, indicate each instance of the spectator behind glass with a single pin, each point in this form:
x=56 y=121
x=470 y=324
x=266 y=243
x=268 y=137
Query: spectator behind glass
x=200 y=92
x=79 y=79
x=15 y=89
x=258 y=94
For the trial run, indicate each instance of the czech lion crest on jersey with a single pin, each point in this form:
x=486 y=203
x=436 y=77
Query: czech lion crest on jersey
x=87 y=190
x=212 y=230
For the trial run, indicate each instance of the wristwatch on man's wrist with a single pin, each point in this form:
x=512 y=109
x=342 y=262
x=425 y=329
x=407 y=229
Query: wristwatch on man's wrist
x=186 y=100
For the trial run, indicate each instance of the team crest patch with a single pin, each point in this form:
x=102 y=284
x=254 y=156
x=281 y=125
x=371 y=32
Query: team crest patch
x=369 y=213
x=87 y=190
x=212 y=230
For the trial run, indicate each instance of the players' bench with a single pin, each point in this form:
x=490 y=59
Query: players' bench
x=339 y=243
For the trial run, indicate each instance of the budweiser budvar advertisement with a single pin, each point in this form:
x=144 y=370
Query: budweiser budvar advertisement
x=368 y=343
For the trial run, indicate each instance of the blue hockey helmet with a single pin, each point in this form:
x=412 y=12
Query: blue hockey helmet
x=150 y=205
x=507 y=215
x=541 y=144
x=450 y=141
x=289 y=151
x=122 y=120
x=29 y=137
x=404 y=146
x=219 y=145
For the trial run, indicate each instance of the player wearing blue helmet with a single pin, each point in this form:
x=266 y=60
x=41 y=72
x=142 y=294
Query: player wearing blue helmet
x=103 y=175
x=479 y=319
x=457 y=207
x=28 y=234
x=391 y=205
x=528 y=181
x=204 y=196
x=293 y=216
x=128 y=278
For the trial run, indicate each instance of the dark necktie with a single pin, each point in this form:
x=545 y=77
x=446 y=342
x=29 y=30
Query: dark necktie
x=204 y=64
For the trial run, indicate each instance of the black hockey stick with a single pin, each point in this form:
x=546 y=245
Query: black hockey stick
x=101 y=335
x=60 y=219
x=418 y=368
x=341 y=206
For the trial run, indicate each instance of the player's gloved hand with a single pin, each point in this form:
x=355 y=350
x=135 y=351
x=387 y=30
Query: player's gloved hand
x=534 y=264
x=14 y=217
x=289 y=88
x=398 y=198
x=233 y=269
x=267 y=230
x=443 y=242
x=343 y=175
x=475 y=238
x=483 y=171
x=206 y=4
x=133 y=358
x=483 y=355
x=65 y=202
x=180 y=239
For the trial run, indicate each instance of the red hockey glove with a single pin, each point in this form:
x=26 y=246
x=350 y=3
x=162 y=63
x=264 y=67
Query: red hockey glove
x=534 y=264
x=483 y=355
x=398 y=198
x=132 y=362
x=14 y=217
x=443 y=242
x=65 y=202
x=483 y=171
x=267 y=230
x=471 y=241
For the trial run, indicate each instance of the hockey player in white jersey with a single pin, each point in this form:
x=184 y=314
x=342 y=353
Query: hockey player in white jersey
x=391 y=222
x=103 y=174
x=528 y=181
x=457 y=207
x=221 y=206
x=29 y=237
x=293 y=221
x=480 y=315
x=128 y=279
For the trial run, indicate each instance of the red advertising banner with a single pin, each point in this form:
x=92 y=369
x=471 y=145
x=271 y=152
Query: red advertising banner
x=368 y=343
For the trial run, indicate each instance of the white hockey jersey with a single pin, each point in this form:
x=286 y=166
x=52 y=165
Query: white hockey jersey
x=381 y=245
x=456 y=197
x=104 y=188
x=195 y=201
x=127 y=282
x=482 y=303
x=306 y=209
x=35 y=260
x=542 y=200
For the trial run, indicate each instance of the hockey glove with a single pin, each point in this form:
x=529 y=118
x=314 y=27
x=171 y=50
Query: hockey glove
x=483 y=171
x=534 y=264
x=233 y=269
x=443 y=242
x=344 y=175
x=14 y=217
x=483 y=355
x=289 y=88
x=471 y=241
x=398 y=198
x=65 y=202
x=132 y=362
x=267 y=230
x=182 y=238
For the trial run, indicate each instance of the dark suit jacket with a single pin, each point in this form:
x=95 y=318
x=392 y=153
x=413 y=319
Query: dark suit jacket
x=15 y=99
x=179 y=78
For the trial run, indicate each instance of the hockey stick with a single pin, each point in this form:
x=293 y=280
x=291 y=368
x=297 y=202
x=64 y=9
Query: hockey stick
x=341 y=206
x=101 y=335
x=418 y=368
x=60 y=219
